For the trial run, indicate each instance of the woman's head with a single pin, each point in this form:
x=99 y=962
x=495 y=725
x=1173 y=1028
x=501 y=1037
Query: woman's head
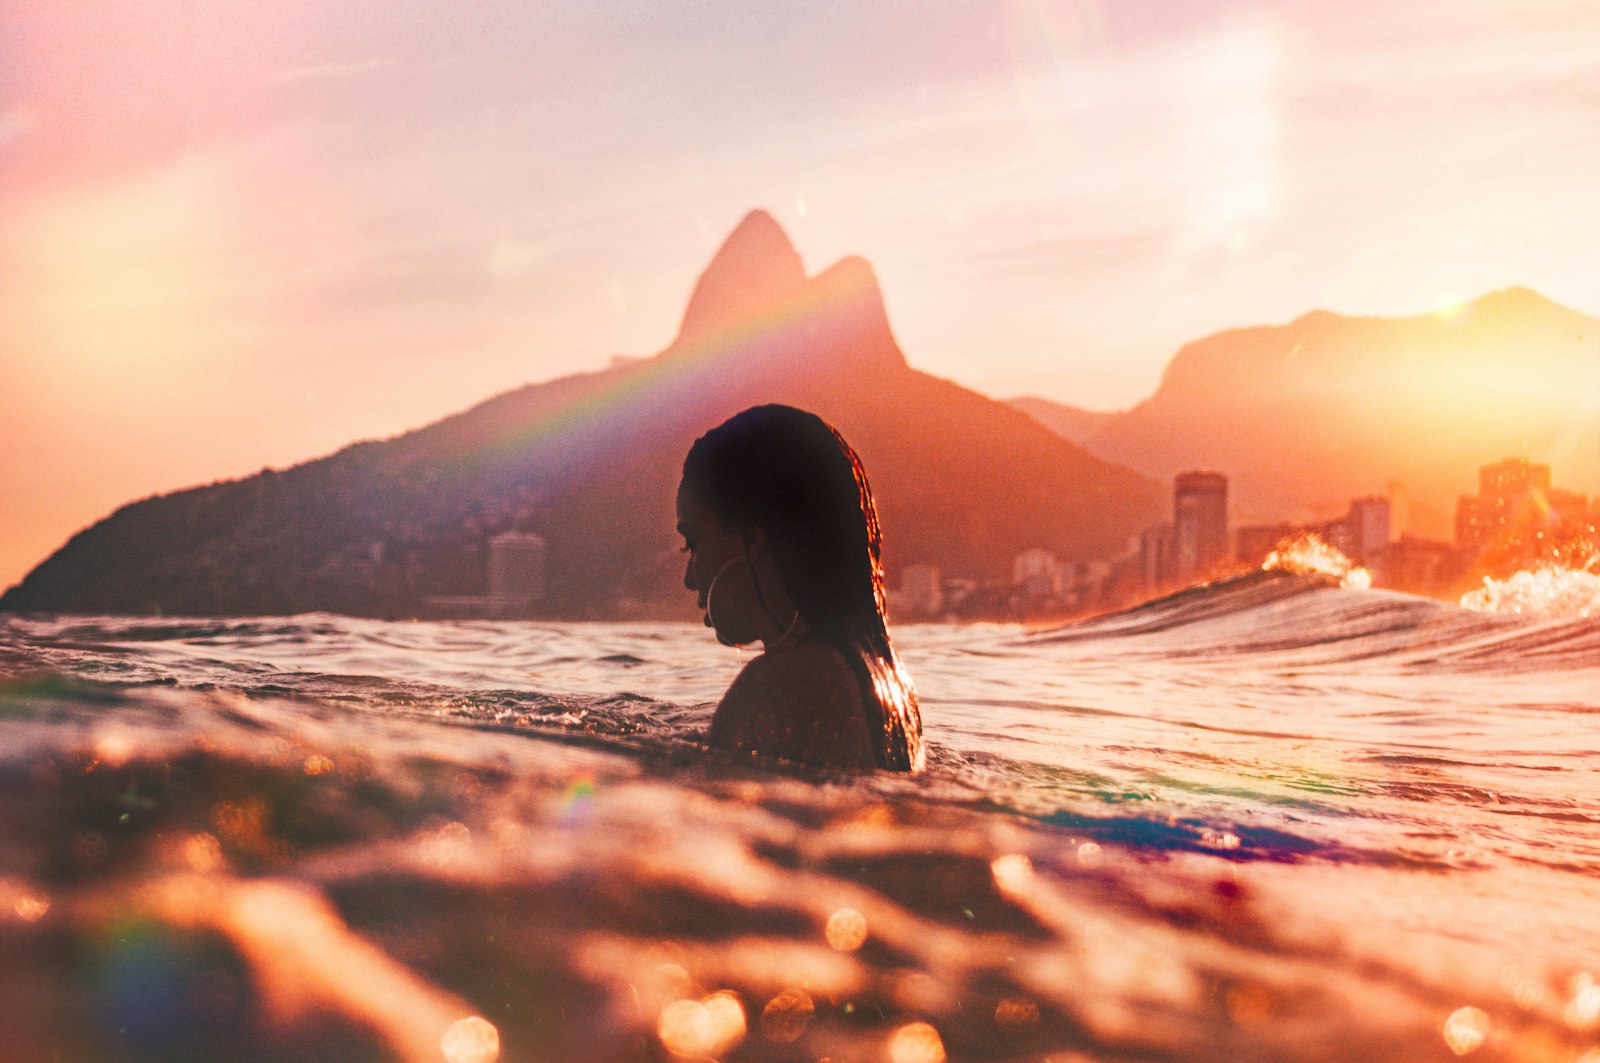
x=776 y=486
x=782 y=477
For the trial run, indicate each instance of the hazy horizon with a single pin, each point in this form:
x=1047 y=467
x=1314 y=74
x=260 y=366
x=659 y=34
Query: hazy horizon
x=245 y=239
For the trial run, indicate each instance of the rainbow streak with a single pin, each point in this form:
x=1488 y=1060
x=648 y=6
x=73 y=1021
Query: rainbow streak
x=673 y=377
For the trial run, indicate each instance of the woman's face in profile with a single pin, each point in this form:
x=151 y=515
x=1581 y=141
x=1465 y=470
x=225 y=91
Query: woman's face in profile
x=719 y=571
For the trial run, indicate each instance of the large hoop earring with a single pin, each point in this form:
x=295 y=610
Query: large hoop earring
x=712 y=590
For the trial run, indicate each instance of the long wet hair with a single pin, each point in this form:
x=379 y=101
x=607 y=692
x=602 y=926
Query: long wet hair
x=791 y=474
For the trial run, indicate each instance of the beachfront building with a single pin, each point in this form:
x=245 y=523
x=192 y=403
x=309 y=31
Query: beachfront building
x=1517 y=517
x=1036 y=574
x=1156 y=569
x=1362 y=534
x=1424 y=566
x=1367 y=529
x=516 y=568
x=1199 y=524
x=921 y=592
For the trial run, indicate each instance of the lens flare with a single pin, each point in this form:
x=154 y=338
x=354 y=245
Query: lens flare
x=1012 y=871
x=916 y=1042
x=1465 y=1030
x=699 y=1029
x=847 y=929
x=471 y=1040
x=31 y=909
x=1583 y=1010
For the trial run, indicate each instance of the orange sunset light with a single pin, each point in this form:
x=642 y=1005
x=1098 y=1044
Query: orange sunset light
x=243 y=239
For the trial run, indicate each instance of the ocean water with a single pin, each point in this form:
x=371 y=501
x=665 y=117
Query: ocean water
x=1267 y=819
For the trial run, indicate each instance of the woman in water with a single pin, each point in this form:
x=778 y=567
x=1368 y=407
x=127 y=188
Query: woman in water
x=783 y=545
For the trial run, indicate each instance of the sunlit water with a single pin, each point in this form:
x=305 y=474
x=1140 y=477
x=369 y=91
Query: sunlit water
x=1273 y=819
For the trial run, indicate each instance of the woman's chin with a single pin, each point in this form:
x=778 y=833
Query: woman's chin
x=734 y=640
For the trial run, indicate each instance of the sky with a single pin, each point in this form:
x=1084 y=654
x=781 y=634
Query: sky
x=237 y=234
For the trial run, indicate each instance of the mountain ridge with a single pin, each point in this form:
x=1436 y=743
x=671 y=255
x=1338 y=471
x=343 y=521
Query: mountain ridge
x=590 y=462
x=1422 y=401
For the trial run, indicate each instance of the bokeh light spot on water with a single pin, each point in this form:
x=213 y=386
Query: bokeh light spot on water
x=471 y=1040
x=698 y=1029
x=202 y=852
x=1523 y=989
x=1583 y=1010
x=113 y=747
x=1466 y=1029
x=447 y=845
x=1011 y=871
x=847 y=929
x=786 y=1016
x=1015 y=1014
x=31 y=909
x=317 y=764
x=916 y=1042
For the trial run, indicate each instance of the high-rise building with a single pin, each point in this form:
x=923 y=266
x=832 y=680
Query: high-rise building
x=1155 y=556
x=1368 y=523
x=516 y=567
x=1199 y=523
x=1507 y=492
x=1399 y=508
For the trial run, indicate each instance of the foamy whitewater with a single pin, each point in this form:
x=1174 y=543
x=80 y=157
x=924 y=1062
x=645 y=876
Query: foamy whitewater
x=1270 y=819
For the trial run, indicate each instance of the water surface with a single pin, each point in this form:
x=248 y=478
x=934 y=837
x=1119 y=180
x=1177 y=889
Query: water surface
x=1270 y=819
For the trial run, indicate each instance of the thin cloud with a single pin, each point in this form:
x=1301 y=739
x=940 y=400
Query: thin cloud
x=332 y=71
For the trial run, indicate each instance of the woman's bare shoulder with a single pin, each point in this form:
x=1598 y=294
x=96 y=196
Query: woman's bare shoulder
x=802 y=703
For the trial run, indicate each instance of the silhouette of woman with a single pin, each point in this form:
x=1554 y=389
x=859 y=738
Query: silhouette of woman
x=783 y=543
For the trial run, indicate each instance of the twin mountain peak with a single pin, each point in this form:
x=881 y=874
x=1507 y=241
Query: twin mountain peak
x=591 y=464
x=757 y=283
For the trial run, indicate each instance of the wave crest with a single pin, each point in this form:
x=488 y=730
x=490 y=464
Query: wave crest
x=1548 y=591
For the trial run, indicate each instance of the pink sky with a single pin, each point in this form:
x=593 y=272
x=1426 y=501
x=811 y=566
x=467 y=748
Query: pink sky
x=241 y=235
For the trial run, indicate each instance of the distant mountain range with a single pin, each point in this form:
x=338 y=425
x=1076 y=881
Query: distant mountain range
x=591 y=463
x=1304 y=416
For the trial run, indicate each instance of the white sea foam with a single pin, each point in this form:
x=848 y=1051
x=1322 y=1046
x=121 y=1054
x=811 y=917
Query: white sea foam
x=1550 y=590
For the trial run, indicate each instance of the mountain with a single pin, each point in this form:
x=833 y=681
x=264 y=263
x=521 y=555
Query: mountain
x=1305 y=416
x=591 y=463
x=1072 y=423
